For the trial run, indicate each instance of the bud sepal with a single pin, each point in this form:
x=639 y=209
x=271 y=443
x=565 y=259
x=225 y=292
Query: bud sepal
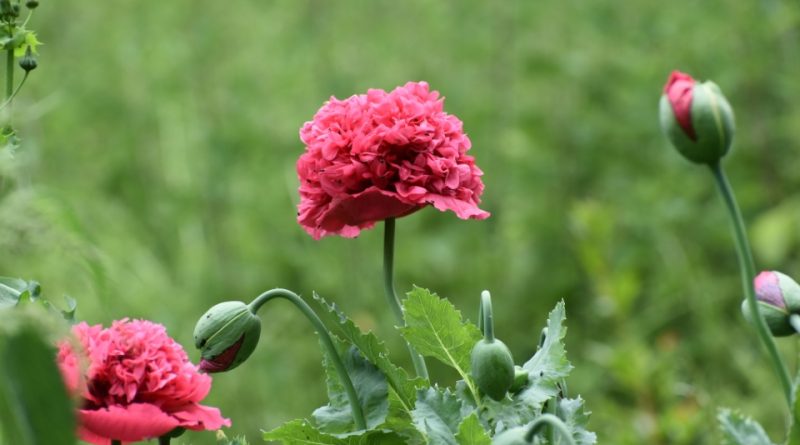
x=226 y=335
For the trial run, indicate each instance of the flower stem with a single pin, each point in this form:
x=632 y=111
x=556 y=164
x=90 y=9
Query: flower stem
x=391 y=295
x=164 y=440
x=116 y=442
x=555 y=424
x=748 y=273
x=9 y=74
x=324 y=334
x=487 y=318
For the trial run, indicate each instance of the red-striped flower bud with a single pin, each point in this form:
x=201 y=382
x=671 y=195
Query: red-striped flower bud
x=778 y=297
x=696 y=118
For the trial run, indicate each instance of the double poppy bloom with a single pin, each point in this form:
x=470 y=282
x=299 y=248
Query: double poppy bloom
x=134 y=383
x=384 y=155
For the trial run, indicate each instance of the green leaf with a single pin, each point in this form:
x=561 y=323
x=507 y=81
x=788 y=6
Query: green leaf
x=741 y=430
x=34 y=404
x=546 y=369
x=471 y=432
x=435 y=328
x=370 y=384
x=28 y=41
x=572 y=412
x=438 y=415
x=399 y=421
x=550 y=361
x=376 y=352
x=9 y=292
x=303 y=432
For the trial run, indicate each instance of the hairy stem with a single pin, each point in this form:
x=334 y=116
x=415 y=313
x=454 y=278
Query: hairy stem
x=748 y=273
x=352 y=396
x=391 y=295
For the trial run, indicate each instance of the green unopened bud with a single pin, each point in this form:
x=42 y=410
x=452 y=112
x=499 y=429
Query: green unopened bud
x=32 y=4
x=226 y=335
x=778 y=298
x=28 y=61
x=696 y=118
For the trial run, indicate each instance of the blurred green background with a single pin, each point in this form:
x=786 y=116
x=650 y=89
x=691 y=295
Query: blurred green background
x=156 y=178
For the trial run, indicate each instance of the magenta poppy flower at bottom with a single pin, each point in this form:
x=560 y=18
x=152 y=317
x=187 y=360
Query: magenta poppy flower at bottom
x=138 y=383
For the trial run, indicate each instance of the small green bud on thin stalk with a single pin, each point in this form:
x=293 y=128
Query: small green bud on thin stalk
x=491 y=360
x=28 y=61
x=226 y=335
x=32 y=4
x=696 y=118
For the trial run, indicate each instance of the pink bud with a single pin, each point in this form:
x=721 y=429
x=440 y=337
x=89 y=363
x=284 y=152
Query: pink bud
x=768 y=289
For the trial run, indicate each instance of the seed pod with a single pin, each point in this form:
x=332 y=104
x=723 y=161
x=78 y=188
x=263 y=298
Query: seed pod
x=491 y=360
x=32 y=4
x=226 y=335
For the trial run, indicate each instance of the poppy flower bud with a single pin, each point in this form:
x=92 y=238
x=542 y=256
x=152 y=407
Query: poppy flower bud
x=32 y=4
x=226 y=335
x=696 y=118
x=778 y=297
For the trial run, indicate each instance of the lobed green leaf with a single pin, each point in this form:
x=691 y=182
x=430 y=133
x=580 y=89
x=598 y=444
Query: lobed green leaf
x=741 y=430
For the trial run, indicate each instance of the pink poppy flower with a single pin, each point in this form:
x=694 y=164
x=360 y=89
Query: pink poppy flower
x=381 y=155
x=137 y=383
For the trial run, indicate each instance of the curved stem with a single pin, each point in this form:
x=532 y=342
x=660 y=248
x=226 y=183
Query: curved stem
x=748 y=273
x=14 y=94
x=488 y=319
x=554 y=422
x=352 y=396
x=391 y=295
x=9 y=74
x=794 y=320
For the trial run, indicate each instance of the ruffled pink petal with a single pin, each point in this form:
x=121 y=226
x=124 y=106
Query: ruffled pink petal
x=130 y=423
x=347 y=216
x=200 y=417
x=462 y=209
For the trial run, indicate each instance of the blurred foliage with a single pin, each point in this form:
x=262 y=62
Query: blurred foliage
x=155 y=178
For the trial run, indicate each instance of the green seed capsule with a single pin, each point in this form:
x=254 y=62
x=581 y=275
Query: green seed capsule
x=226 y=335
x=32 y=4
x=492 y=368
